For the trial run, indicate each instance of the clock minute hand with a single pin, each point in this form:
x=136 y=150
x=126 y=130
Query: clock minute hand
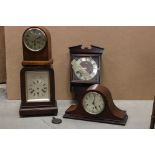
x=36 y=38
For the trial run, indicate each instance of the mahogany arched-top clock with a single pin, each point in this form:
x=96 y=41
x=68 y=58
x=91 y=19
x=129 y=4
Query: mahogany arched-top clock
x=97 y=105
x=36 y=46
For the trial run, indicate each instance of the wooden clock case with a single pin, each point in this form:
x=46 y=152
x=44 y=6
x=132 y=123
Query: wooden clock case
x=38 y=61
x=78 y=87
x=38 y=58
x=38 y=108
x=111 y=114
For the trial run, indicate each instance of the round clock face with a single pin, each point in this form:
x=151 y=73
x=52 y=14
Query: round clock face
x=93 y=103
x=85 y=68
x=34 y=39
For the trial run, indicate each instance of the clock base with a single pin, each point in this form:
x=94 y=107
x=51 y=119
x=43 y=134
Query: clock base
x=109 y=121
x=38 y=111
x=73 y=113
x=36 y=63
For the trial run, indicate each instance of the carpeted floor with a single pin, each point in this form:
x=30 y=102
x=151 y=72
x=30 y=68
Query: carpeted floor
x=139 y=113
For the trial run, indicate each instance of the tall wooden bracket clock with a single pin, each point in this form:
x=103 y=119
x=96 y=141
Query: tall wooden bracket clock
x=37 y=75
x=85 y=68
x=95 y=101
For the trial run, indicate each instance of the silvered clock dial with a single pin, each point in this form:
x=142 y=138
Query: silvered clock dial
x=85 y=68
x=34 y=39
x=93 y=103
x=37 y=86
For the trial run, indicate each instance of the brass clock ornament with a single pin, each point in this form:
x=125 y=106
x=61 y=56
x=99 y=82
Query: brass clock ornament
x=37 y=77
x=97 y=105
x=85 y=68
x=36 y=46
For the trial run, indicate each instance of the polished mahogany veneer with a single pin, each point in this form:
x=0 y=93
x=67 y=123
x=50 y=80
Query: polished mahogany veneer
x=37 y=76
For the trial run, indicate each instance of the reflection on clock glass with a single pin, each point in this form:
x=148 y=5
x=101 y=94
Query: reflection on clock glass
x=85 y=68
x=34 y=39
x=93 y=103
x=37 y=86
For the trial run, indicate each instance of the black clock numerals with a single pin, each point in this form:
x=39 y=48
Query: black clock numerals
x=38 y=93
x=44 y=90
x=37 y=88
x=32 y=91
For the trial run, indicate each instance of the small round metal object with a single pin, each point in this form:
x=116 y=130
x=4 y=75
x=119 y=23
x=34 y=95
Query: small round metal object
x=56 y=120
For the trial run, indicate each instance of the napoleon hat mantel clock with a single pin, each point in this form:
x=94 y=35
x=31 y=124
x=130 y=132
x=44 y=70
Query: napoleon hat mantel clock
x=97 y=105
x=37 y=75
x=85 y=68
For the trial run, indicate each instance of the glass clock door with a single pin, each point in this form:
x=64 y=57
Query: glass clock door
x=37 y=86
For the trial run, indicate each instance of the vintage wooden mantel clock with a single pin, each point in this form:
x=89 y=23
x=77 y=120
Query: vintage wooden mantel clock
x=37 y=75
x=97 y=105
x=94 y=101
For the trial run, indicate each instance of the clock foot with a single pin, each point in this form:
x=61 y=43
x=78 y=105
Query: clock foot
x=75 y=112
x=100 y=120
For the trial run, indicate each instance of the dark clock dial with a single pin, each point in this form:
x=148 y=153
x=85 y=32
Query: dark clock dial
x=34 y=39
x=85 y=68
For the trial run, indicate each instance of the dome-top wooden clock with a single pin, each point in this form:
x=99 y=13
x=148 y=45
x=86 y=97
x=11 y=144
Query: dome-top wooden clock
x=36 y=46
x=94 y=102
x=37 y=75
x=97 y=105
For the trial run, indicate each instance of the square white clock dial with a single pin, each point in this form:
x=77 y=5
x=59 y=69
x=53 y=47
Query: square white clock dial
x=37 y=86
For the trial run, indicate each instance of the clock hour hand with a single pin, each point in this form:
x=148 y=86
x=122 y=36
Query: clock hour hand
x=98 y=105
x=94 y=103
